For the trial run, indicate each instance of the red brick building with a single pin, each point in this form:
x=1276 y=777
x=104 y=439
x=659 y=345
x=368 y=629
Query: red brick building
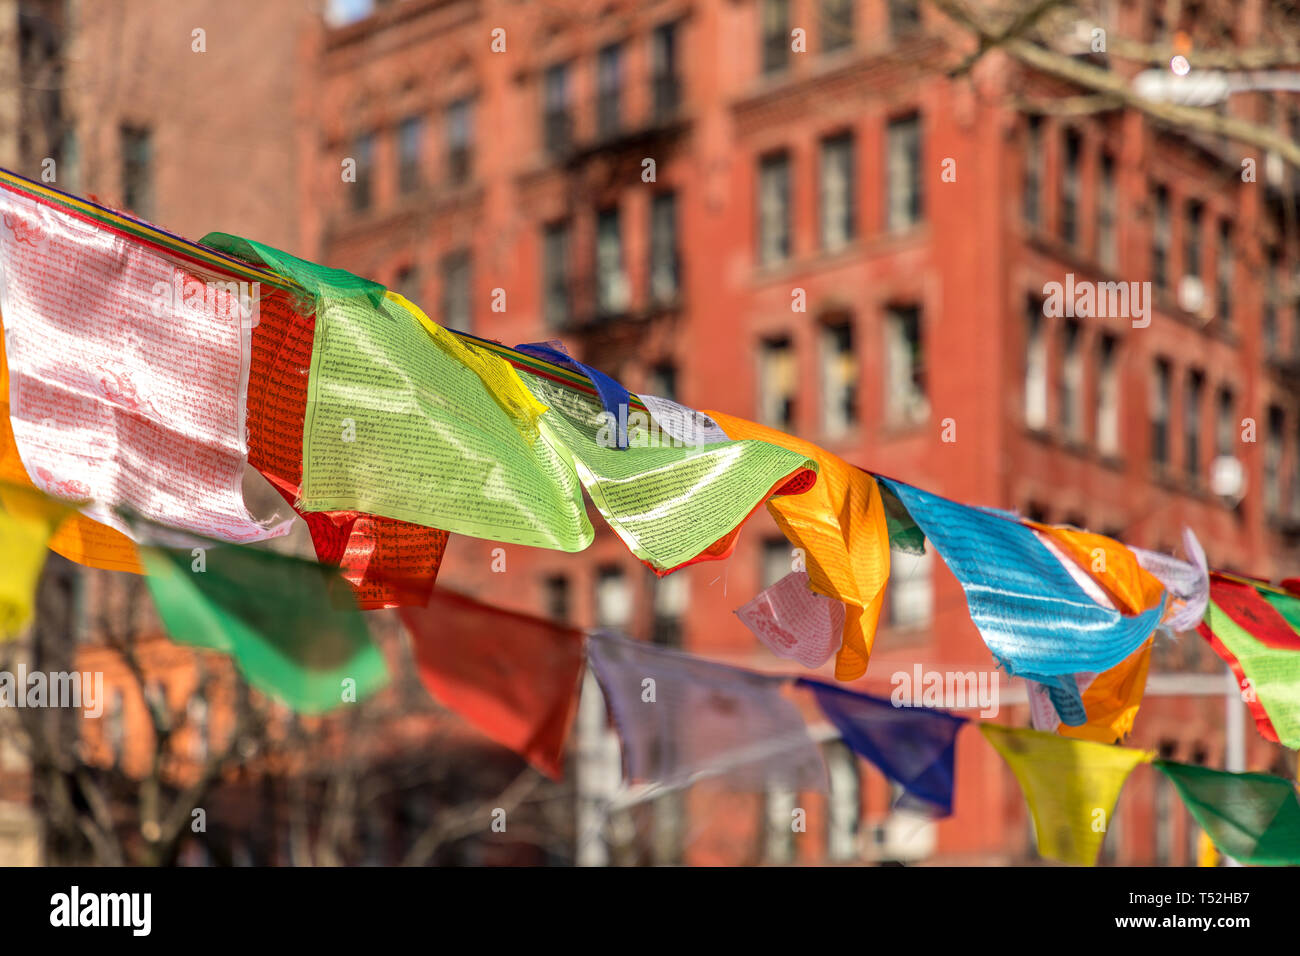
x=844 y=242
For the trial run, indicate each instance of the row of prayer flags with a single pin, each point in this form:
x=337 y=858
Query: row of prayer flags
x=679 y=718
x=140 y=374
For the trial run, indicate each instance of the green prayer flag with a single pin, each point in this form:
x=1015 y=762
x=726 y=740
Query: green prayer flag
x=1251 y=817
x=291 y=626
x=668 y=500
x=406 y=421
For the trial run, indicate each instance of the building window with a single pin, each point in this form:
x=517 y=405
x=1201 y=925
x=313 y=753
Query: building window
x=1035 y=366
x=663 y=380
x=1192 y=240
x=460 y=140
x=911 y=589
x=773 y=208
x=611 y=280
x=664 y=76
x=905 y=399
x=363 y=153
x=1225 y=269
x=1070 y=393
x=555 y=594
x=1272 y=299
x=1031 y=199
x=777 y=560
x=904 y=173
x=410 y=143
x=839 y=378
x=1160 y=402
x=556 y=122
x=1072 y=159
x=613 y=599
x=776 y=382
x=609 y=89
x=904 y=17
x=1108 y=396
x=555 y=273
x=1160 y=239
x=778 y=831
x=837 y=191
x=1107 y=242
x=407 y=284
x=665 y=276
x=457 y=308
x=671 y=599
x=775 y=53
x=836 y=25
x=1225 y=425
x=1273 y=460
x=844 y=810
x=1192 y=426
x=137 y=170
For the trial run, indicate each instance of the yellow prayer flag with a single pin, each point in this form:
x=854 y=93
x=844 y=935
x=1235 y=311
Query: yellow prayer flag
x=1206 y=852
x=1112 y=700
x=1071 y=787
x=498 y=376
x=27 y=519
x=840 y=525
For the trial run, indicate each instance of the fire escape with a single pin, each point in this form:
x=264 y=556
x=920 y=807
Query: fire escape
x=606 y=316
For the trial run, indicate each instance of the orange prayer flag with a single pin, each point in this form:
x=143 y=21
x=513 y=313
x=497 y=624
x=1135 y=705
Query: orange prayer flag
x=1111 y=701
x=1113 y=566
x=840 y=525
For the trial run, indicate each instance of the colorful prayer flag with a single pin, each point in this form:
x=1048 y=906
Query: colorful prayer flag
x=614 y=398
x=913 y=746
x=1188 y=582
x=387 y=562
x=794 y=621
x=27 y=520
x=291 y=626
x=681 y=718
x=1252 y=817
x=1257 y=641
x=840 y=525
x=1111 y=699
x=1037 y=621
x=127 y=368
x=406 y=421
x=670 y=503
x=512 y=676
x=78 y=538
x=1071 y=787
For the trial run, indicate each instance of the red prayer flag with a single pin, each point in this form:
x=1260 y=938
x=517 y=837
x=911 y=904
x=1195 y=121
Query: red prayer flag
x=513 y=676
x=389 y=563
